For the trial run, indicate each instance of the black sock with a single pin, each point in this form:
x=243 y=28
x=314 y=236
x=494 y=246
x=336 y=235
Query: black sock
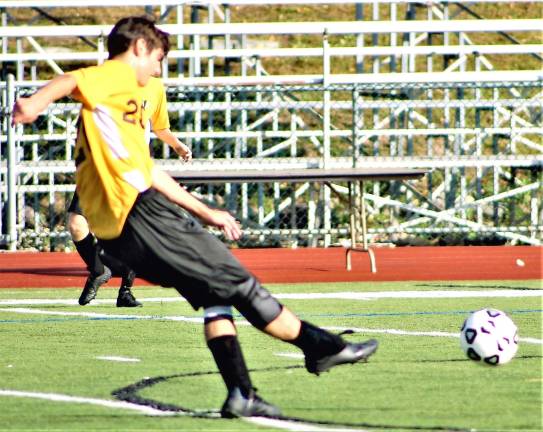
x=88 y=251
x=119 y=268
x=317 y=342
x=229 y=359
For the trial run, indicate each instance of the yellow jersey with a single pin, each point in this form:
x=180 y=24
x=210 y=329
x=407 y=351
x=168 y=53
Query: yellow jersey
x=113 y=164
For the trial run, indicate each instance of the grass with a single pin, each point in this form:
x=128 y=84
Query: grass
x=414 y=381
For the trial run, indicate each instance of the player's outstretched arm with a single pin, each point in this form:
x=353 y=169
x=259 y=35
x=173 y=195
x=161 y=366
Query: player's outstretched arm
x=169 y=138
x=175 y=193
x=26 y=110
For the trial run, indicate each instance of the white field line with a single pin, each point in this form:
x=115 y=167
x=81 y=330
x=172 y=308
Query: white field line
x=119 y=359
x=290 y=355
x=412 y=294
x=310 y=296
x=73 y=302
x=295 y=426
x=55 y=397
x=418 y=333
x=103 y=315
x=240 y=322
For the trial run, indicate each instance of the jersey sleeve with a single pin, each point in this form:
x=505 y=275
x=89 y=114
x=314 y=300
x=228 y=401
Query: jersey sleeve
x=159 y=117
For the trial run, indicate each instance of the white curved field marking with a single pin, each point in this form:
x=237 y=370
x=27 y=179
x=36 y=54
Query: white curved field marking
x=55 y=397
x=296 y=426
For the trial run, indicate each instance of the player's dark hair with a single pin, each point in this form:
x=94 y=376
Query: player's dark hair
x=128 y=30
x=165 y=39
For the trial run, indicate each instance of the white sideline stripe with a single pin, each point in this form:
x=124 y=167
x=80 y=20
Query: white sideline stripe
x=418 y=333
x=289 y=355
x=412 y=294
x=73 y=302
x=310 y=296
x=55 y=397
x=118 y=359
x=239 y=322
x=532 y=341
x=103 y=315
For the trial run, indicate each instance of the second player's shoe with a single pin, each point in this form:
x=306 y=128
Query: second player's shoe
x=125 y=297
x=92 y=284
x=352 y=353
x=237 y=405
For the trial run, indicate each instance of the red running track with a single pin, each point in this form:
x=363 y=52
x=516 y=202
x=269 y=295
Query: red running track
x=42 y=270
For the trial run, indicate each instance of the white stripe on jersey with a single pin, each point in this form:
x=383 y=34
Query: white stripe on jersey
x=136 y=179
x=109 y=132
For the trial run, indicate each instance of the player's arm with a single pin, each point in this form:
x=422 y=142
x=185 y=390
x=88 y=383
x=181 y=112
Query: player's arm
x=175 y=193
x=26 y=110
x=169 y=138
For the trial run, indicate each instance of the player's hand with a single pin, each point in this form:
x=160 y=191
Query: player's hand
x=24 y=111
x=226 y=222
x=184 y=152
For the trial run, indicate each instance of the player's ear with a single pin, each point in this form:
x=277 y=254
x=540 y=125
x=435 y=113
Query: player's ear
x=140 y=47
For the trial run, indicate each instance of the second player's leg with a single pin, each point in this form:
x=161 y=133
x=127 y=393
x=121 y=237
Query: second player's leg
x=125 y=298
x=86 y=246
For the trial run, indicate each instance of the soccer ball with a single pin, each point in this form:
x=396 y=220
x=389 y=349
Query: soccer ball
x=489 y=337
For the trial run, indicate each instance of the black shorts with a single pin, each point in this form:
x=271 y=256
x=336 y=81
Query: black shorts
x=74 y=205
x=167 y=246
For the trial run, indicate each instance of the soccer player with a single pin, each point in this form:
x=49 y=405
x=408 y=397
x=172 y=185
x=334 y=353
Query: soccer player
x=155 y=110
x=144 y=218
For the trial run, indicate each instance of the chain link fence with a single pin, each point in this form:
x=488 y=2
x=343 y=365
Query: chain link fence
x=481 y=142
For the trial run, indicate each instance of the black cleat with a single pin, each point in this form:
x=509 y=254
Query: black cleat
x=127 y=299
x=352 y=353
x=237 y=405
x=91 y=286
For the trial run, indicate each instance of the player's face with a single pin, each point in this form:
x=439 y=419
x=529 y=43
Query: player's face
x=157 y=62
x=150 y=64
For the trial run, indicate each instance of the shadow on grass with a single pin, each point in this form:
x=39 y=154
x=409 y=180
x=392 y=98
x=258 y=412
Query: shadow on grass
x=130 y=394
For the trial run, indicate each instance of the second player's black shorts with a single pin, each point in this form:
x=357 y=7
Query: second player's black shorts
x=74 y=205
x=167 y=246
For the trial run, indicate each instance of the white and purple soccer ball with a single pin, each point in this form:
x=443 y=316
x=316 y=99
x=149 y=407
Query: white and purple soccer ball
x=489 y=337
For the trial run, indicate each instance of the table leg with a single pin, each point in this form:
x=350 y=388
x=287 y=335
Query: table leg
x=361 y=210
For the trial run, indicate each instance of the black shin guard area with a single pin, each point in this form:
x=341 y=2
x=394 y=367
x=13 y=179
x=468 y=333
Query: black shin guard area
x=89 y=252
x=229 y=359
x=256 y=304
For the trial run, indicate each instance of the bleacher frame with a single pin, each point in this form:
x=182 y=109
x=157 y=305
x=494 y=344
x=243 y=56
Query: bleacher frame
x=385 y=71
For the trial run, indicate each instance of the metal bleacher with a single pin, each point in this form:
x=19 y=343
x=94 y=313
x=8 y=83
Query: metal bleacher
x=437 y=85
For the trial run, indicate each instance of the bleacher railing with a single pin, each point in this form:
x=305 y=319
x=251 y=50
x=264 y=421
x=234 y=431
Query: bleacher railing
x=421 y=92
x=485 y=164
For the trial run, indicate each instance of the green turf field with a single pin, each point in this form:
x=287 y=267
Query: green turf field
x=60 y=365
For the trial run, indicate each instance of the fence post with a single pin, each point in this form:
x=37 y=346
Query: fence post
x=326 y=130
x=11 y=168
